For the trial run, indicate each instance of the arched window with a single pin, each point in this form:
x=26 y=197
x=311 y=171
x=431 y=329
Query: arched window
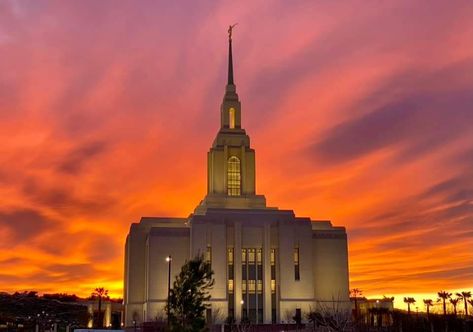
x=231 y=118
x=233 y=177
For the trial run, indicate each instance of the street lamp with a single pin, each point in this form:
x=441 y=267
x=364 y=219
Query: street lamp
x=169 y=260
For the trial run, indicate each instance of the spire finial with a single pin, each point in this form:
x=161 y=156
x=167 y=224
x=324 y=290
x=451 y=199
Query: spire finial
x=230 y=29
x=230 y=58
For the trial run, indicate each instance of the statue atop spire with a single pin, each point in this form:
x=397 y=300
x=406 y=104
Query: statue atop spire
x=230 y=59
x=230 y=29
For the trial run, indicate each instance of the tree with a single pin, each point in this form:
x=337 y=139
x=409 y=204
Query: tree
x=190 y=290
x=100 y=293
x=409 y=301
x=464 y=296
x=355 y=292
x=454 y=302
x=332 y=318
x=428 y=303
x=444 y=295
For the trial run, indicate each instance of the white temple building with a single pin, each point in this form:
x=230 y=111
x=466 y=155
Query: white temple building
x=270 y=265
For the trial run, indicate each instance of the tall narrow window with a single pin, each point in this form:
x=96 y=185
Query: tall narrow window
x=208 y=255
x=233 y=177
x=259 y=285
x=230 y=256
x=208 y=315
x=273 y=285
x=298 y=316
x=244 y=279
x=231 y=285
x=231 y=118
x=297 y=272
x=252 y=284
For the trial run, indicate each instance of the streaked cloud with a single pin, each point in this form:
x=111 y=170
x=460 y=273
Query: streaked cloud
x=360 y=114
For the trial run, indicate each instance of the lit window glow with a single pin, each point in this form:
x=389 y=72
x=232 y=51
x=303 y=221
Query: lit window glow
x=297 y=273
x=231 y=116
x=233 y=177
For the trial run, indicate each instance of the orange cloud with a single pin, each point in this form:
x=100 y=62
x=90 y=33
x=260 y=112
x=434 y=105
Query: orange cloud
x=358 y=114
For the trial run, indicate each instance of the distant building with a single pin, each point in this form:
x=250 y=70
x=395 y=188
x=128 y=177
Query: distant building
x=112 y=312
x=270 y=265
x=373 y=312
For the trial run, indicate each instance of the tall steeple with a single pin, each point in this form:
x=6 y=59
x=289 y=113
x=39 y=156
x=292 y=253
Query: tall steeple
x=230 y=109
x=231 y=178
x=230 y=57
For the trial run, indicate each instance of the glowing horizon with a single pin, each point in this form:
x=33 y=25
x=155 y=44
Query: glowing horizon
x=361 y=115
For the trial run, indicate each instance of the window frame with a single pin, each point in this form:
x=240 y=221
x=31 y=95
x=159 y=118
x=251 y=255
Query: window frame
x=233 y=176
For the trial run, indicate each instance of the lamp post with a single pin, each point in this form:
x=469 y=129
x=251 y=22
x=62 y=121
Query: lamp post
x=169 y=260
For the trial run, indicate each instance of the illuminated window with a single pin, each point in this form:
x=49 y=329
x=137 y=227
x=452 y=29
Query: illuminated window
x=258 y=256
x=231 y=116
x=259 y=286
x=297 y=274
x=251 y=256
x=233 y=176
x=230 y=256
x=251 y=286
x=230 y=282
x=208 y=255
x=296 y=256
x=273 y=286
x=230 y=265
x=272 y=259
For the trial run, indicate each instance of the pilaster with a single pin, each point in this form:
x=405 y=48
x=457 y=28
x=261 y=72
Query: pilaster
x=237 y=271
x=243 y=172
x=267 y=273
x=225 y=163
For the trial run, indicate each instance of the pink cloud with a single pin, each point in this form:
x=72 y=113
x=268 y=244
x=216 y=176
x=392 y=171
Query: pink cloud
x=360 y=113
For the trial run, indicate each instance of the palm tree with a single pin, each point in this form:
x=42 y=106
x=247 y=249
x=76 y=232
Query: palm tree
x=409 y=301
x=454 y=302
x=428 y=303
x=100 y=293
x=444 y=295
x=355 y=293
x=464 y=296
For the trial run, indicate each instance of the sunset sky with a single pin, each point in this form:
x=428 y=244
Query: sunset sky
x=360 y=112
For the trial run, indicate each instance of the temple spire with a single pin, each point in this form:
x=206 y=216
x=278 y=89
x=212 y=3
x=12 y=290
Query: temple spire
x=230 y=58
x=230 y=117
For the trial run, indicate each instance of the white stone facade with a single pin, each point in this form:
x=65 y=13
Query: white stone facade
x=269 y=264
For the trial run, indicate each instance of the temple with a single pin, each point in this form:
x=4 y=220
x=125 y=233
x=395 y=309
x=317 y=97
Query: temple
x=270 y=266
